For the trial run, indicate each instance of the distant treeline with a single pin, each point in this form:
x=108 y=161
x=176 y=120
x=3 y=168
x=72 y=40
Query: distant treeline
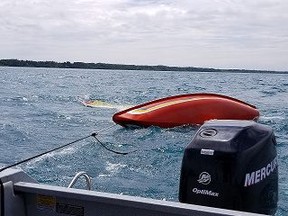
x=83 y=65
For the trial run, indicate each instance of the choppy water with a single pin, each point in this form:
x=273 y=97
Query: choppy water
x=40 y=110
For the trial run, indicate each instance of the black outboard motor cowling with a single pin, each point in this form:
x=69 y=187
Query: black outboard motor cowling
x=231 y=164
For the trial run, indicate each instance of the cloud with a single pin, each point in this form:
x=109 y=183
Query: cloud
x=216 y=33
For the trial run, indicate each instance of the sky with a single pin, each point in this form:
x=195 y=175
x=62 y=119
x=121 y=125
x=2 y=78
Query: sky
x=243 y=34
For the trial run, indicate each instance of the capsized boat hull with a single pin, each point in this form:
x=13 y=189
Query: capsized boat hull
x=189 y=109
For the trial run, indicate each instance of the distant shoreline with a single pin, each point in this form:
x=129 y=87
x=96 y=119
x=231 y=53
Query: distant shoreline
x=83 y=65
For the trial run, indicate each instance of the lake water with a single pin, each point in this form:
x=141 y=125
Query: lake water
x=40 y=110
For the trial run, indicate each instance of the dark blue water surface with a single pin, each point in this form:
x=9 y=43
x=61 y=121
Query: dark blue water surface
x=40 y=110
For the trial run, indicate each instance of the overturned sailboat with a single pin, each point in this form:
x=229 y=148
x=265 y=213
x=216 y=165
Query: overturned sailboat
x=188 y=109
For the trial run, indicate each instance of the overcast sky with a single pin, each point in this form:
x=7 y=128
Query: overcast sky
x=248 y=34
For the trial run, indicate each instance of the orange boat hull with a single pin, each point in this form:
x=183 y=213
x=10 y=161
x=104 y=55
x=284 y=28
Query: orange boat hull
x=190 y=109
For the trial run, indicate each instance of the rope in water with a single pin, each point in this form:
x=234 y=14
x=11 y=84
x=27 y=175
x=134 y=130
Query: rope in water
x=94 y=135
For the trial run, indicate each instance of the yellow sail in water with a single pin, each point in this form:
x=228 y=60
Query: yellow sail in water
x=97 y=103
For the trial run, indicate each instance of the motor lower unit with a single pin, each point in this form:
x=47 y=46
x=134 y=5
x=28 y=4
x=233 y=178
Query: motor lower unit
x=231 y=164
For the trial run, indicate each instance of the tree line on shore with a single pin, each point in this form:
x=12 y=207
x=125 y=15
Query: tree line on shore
x=83 y=65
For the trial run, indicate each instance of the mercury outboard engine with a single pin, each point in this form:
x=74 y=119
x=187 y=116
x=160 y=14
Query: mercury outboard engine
x=231 y=164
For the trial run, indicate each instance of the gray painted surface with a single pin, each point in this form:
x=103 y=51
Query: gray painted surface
x=23 y=196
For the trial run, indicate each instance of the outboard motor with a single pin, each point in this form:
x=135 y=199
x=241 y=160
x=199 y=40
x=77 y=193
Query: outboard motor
x=231 y=164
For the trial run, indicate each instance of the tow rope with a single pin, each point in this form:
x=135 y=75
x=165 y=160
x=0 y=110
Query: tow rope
x=94 y=135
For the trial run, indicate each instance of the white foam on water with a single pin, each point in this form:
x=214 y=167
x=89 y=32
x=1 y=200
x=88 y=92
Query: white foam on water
x=272 y=118
x=65 y=151
x=114 y=167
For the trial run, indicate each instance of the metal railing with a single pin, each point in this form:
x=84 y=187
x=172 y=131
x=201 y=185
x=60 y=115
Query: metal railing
x=86 y=177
